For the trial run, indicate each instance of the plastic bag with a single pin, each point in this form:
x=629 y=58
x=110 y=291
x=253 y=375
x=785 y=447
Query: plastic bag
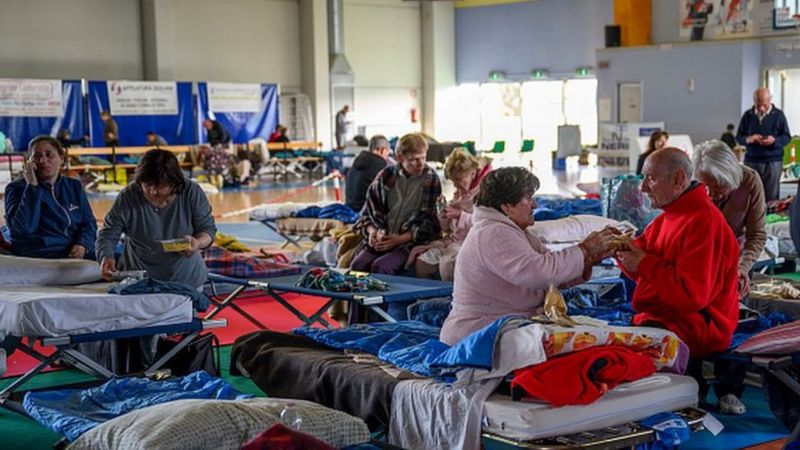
x=622 y=199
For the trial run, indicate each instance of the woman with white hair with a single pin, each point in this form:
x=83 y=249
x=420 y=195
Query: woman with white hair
x=738 y=193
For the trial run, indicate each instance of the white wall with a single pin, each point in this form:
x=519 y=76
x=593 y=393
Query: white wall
x=234 y=40
x=383 y=42
x=724 y=73
x=96 y=39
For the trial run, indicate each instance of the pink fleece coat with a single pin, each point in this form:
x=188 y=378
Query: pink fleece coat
x=502 y=270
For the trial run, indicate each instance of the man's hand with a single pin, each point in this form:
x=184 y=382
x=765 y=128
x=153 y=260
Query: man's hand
x=631 y=257
x=768 y=140
x=374 y=237
x=77 y=252
x=754 y=138
x=107 y=267
x=390 y=241
x=29 y=172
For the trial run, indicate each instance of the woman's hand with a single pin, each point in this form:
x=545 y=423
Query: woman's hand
x=77 y=252
x=599 y=245
x=452 y=213
x=744 y=284
x=107 y=267
x=195 y=245
x=29 y=172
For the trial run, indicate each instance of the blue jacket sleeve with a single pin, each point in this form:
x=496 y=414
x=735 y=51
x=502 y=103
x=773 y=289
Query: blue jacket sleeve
x=87 y=232
x=782 y=134
x=23 y=205
x=741 y=132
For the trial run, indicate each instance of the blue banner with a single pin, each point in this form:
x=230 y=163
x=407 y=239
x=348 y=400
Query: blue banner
x=176 y=129
x=22 y=129
x=242 y=126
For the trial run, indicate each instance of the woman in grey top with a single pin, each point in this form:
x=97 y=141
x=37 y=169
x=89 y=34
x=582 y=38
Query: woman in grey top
x=161 y=204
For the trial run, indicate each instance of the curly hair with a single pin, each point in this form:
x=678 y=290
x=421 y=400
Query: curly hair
x=506 y=186
x=460 y=162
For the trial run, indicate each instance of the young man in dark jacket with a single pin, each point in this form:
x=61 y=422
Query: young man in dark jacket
x=365 y=168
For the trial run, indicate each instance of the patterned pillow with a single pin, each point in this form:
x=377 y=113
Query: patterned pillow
x=217 y=424
x=782 y=340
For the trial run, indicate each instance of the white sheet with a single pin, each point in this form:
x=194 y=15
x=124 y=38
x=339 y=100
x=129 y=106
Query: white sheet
x=526 y=420
x=58 y=311
x=17 y=270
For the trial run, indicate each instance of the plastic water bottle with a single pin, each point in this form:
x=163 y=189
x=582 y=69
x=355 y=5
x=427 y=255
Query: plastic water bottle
x=290 y=417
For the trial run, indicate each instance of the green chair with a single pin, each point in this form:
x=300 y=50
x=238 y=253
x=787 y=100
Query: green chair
x=470 y=146
x=499 y=147
x=527 y=146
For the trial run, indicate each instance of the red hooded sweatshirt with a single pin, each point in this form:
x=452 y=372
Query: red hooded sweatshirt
x=688 y=279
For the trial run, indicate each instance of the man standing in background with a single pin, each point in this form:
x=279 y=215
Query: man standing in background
x=764 y=131
x=341 y=126
x=110 y=130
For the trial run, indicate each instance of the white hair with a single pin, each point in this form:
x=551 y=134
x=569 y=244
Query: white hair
x=717 y=160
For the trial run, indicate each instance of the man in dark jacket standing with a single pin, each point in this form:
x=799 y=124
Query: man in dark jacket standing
x=365 y=168
x=764 y=131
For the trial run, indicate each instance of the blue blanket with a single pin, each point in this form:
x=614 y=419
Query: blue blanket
x=338 y=211
x=413 y=346
x=72 y=412
x=200 y=301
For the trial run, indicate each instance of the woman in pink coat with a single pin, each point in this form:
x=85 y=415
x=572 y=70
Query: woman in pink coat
x=502 y=268
x=466 y=172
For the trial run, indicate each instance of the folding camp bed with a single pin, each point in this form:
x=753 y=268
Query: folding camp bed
x=401 y=289
x=609 y=423
x=65 y=316
x=294 y=229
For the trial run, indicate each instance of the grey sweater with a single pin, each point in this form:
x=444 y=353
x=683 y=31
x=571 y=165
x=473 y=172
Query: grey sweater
x=144 y=226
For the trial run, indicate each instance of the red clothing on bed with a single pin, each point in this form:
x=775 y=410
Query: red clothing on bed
x=581 y=377
x=688 y=280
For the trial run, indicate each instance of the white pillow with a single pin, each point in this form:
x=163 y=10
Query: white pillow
x=17 y=270
x=217 y=424
x=570 y=229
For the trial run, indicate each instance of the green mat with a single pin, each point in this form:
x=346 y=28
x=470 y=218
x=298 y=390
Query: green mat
x=19 y=432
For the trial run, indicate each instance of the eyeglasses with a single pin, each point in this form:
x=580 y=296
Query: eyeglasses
x=158 y=191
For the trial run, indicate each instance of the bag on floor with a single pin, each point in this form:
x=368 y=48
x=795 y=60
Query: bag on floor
x=197 y=355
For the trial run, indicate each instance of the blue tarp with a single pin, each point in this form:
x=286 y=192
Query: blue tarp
x=178 y=129
x=551 y=209
x=22 y=129
x=413 y=346
x=72 y=412
x=242 y=126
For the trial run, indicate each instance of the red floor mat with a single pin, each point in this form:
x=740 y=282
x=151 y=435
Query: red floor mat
x=264 y=308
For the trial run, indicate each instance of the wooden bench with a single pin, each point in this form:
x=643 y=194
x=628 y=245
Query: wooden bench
x=113 y=152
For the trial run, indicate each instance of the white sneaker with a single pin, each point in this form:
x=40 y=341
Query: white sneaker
x=730 y=404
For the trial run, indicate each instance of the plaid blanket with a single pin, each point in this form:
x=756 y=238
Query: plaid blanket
x=223 y=262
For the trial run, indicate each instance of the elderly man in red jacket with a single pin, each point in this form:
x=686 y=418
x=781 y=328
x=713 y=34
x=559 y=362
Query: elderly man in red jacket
x=685 y=264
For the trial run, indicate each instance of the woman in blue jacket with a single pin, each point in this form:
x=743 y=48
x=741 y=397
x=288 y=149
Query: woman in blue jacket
x=48 y=214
